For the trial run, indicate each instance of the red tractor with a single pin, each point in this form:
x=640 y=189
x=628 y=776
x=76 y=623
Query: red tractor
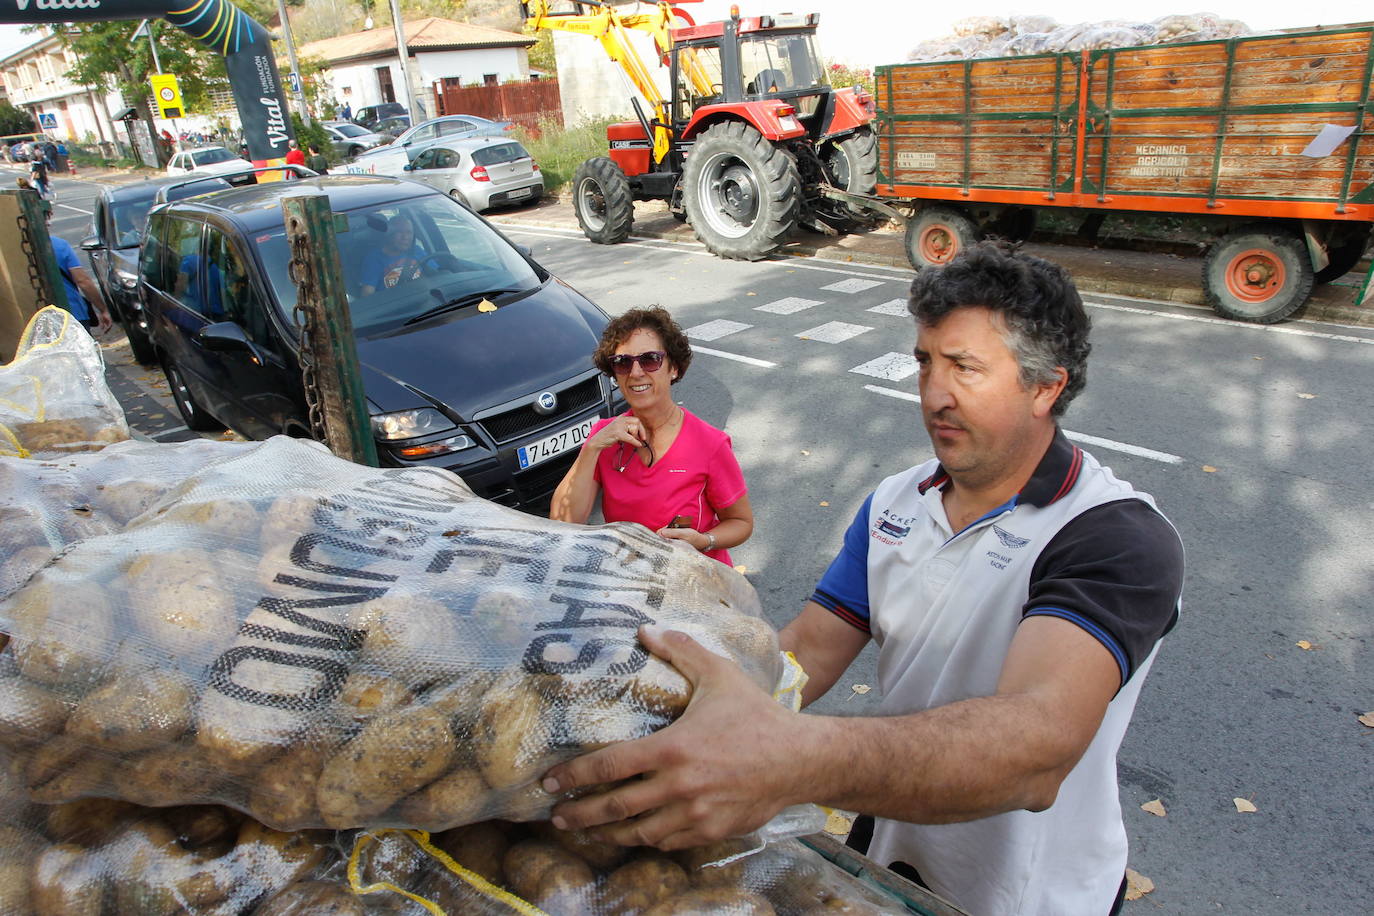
x=750 y=136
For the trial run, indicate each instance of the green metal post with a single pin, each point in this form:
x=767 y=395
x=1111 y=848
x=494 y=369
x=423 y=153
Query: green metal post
x=43 y=269
x=333 y=381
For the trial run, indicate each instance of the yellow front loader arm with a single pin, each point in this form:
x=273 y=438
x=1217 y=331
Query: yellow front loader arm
x=608 y=26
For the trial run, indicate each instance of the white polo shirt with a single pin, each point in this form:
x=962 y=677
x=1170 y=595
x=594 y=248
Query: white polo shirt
x=943 y=606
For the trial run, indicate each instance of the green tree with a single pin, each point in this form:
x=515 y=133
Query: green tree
x=541 y=52
x=15 y=120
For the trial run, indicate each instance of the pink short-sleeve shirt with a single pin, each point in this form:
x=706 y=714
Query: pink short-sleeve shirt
x=696 y=475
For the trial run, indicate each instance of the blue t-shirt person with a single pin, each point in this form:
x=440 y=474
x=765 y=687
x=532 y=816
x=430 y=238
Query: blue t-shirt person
x=66 y=260
x=395 y=262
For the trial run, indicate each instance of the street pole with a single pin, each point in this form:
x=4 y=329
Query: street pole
x=299 y=87
x=157 y=68
x=405 y=61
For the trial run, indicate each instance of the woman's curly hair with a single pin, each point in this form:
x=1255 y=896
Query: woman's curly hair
x=654 y=318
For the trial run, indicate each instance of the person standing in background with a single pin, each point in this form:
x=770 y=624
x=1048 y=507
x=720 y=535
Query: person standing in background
x=316 y=161
x=83 y=296
x=294 y=156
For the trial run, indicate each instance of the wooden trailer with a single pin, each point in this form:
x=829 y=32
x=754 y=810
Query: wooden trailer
x=1268 y=138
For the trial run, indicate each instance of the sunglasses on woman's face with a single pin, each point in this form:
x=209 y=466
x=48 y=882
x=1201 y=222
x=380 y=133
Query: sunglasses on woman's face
x=623 y=363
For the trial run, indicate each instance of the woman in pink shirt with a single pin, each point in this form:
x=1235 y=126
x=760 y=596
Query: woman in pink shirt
x=656 y=464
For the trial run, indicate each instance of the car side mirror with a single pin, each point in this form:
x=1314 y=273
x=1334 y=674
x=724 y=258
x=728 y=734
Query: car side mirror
x=224 y=337
x=525 y=250
x=407 y=167
x=91 y=243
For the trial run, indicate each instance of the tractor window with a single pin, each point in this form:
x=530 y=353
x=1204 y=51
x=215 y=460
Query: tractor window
x=699 y=79
x=773 y=63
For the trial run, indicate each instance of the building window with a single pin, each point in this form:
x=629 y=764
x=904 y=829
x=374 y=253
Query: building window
x=45 y=70
x=489 y=79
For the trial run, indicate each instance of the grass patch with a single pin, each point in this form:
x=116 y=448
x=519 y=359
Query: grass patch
x=85 y=156
x=559 y=152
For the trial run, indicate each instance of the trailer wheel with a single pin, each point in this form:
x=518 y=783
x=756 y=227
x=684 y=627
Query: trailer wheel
x=853 y=165
x=1343 y=258
x=601 y=198
x=1257 y=274
x=937 y=234
x=741 y=193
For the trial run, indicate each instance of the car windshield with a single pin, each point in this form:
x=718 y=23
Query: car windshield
x=403 y=260
x=498 y=153
x=211 y=156
x=351 y=130
x=129 y=218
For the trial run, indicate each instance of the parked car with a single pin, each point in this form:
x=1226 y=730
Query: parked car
x=482 y=172
x=369 y=115
x=388 y=160
x=392 y=127
x=349 y=139
x=207 y=160
x=502 y=396
x=117 y=222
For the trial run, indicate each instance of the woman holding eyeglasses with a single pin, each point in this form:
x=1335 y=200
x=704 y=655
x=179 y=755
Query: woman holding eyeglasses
x=656 y=464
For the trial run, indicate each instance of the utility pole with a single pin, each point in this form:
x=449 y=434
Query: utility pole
x=297 y=82
x=405 y=61
x=146 y=28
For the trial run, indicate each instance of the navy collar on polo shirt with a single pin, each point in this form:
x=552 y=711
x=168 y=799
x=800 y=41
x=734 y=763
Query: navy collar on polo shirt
x=1054 y=477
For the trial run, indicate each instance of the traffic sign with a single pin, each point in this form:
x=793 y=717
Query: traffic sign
x=294 y=80
x=167 y=94
x=47 y=121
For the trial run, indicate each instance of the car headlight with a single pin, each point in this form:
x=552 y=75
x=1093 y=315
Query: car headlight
x=126 y=279
x=409 y=424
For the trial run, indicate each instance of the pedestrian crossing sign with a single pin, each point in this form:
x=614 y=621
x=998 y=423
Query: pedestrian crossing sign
x=168 y=95
x=47 y=121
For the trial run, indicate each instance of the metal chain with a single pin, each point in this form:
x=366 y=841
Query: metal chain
x=26 y=243
x=300 y=272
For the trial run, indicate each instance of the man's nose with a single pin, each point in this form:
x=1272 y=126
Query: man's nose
x=936 y=393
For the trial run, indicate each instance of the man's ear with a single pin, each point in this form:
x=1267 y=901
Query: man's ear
x=1046 y=393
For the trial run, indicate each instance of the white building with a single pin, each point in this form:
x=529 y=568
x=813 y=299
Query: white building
x=34 y=81
x=364 y=68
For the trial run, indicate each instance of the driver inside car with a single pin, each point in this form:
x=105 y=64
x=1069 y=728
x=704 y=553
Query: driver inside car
x=398 y=260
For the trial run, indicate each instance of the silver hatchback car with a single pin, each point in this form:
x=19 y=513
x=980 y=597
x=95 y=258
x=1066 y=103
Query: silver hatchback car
x=482 y=172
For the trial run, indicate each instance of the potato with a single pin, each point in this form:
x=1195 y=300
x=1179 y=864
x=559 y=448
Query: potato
x=67 y=879
x=14 y=887
x=64 y=770
x=697 y=862
x=175 y=775
x=126 y=500
x=155 y=875
x=567 y=889
x=529 y=862
x=390 y=758
x=369 y=692
x=29 y=713
x=88 y=821
x=479 y=848
x=313 y=898
x=513 y=733
x=230 y=520
x=289 y=516
x=597 y=853
x=59 y=641
x=713 y=901
x=269 y=859
x=134 y=712
x=459 y=797
x=640 y=884
x=394 y=858
x=208 y=829
x=20 y=565
x=282 y=794
x=192 y=618
x=414 y=639
x=521 y=804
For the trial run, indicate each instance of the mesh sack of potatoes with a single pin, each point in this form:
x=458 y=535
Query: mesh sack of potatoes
x=320 y=644
x=47 y=504
x=53 y=397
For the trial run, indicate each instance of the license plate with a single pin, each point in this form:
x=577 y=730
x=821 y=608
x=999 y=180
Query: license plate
x=556 y=444
x=520 y=192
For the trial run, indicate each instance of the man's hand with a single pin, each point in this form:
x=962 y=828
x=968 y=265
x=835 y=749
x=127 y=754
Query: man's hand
x=724 y=768
x=103 y=320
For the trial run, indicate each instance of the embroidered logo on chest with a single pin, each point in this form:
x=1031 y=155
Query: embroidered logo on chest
x=1008 y=539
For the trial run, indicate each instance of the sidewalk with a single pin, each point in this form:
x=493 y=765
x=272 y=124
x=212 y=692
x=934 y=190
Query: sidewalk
x=1115 y=271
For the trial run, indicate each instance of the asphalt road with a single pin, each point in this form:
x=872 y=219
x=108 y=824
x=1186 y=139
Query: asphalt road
x=1252 y=439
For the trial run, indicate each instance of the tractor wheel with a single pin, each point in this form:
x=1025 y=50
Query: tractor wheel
x=937 y=234
x=1257 y=273
x=741 y=193
x=1344 y=256
x=601 y=198
x=853 y=166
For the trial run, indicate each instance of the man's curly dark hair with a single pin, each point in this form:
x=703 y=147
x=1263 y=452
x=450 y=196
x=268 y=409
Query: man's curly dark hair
x=654 y=318
x=1046 y=326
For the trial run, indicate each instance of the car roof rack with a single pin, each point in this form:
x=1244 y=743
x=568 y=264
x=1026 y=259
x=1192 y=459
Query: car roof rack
x=299 y=171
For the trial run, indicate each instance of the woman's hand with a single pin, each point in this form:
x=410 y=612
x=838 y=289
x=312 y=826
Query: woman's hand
x=690 y=535
x=625 y=429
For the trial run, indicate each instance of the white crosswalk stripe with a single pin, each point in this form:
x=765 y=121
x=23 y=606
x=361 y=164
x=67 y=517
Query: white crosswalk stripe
x=891 y=307
x=834 y=332
x=715 y=330
x=892 y=367
x=853 y=285
x=789 y=306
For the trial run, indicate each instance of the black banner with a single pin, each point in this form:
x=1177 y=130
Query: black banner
x=216 y=24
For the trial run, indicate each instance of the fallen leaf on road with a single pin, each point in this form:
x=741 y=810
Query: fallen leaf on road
x=1257 y=357
x=859 y=690
x=1304 y=645
x=751 y=294
x=1208 y=469
x=1244 y=806
x=1155 y=807
x=805 y=452
x=741 y=569
x=838 y=823
x=1367 y=719
x=1305 y=396
x=1137 y=885
x=824 y=503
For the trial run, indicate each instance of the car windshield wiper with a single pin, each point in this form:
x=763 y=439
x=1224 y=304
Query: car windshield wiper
x=461 y=301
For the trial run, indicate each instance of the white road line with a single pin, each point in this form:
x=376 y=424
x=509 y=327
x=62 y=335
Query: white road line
x=77 y=209
x=1238 y=325
x=167 y=432
x=852 y=285
x=761 y=363
x=893 y=393
x=715 y=330
x=895 y=307
x=890 y=367
x=789 y=306
x=1112 y=444
x=833 y=332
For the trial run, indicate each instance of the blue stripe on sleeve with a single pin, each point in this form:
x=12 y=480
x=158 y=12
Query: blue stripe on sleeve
x=845 y=583
x=1093 y=630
